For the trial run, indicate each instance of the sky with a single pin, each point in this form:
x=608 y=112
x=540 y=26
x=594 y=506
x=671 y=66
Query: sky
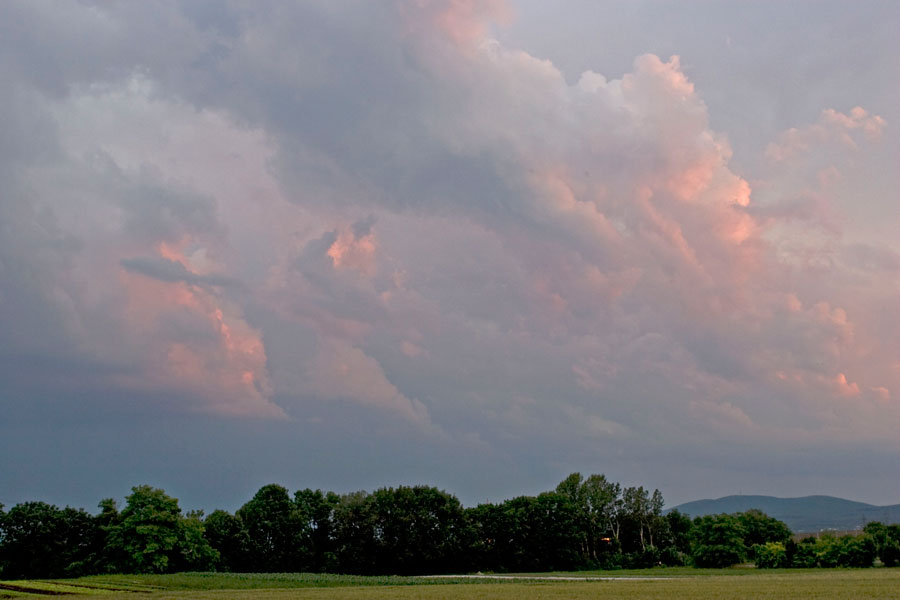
x=478 y=245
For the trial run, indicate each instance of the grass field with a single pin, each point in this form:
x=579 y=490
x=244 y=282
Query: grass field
x=640 y=585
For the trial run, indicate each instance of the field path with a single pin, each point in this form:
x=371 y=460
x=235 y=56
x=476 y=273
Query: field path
x=546 y=577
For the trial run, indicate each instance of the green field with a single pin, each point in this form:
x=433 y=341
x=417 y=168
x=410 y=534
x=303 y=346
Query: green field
x=648 y=584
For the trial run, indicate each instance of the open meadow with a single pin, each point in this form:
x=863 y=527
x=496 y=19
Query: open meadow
x=645 y=584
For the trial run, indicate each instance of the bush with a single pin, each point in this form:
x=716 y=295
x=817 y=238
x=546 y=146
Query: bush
x=718 y=541
x=846 y=551
x=805 y=556
x=671 y=557
x=858 y=551
x=890 y=553
x=771 y=555
x=642 y=559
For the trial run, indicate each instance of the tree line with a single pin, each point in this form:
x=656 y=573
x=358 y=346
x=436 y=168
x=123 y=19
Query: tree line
x=585 y=523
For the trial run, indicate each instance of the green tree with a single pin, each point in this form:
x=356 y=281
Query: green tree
x=718 y=541
x=354 y=534
x=42 y=540
x=227 y=536
x=194 y=552
x=760 y=528
x=887 y=542
x=643 y=525
x=771 y=555
x=679 y=526
x=316 y=511
x=597 y=504
x=417 y=530
x=146 y=537
x=484 y=536
x=526 y=533
x=802 y=555
x=890 y=552
x=845 y=551
x=554 y=530
x=274 y=531
x=109 y=558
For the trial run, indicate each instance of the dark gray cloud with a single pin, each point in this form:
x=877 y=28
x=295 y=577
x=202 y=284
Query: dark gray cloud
x=171 y=271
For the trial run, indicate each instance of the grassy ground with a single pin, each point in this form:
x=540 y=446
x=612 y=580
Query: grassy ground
x=671 y=584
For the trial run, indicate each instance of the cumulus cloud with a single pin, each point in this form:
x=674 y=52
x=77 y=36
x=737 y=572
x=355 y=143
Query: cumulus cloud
x=386 y=207
x=832 y=126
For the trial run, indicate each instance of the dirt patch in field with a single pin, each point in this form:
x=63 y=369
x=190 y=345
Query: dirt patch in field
x=28 y=590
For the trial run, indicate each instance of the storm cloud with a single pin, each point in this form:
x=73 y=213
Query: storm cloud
x=393 y=242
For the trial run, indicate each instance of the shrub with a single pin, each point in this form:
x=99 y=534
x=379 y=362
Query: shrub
x=718 y=541
x=846 y=551
x=671 y=557
x=771 y=555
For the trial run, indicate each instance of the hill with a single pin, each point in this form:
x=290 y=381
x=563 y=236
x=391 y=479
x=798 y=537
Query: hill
x=806 y=514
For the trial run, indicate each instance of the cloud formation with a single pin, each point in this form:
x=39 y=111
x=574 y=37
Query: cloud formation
x=291 y=206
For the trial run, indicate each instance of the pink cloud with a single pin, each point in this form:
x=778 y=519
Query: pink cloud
x=465 y=22
x=354 y=251
x=343 y=372
x=592 y=236
x=832 y=126
x=224 y=368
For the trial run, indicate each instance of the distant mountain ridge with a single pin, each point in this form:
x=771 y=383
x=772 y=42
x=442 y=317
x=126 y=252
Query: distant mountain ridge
x=806 y=514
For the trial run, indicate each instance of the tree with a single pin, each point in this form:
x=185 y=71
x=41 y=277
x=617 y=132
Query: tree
x=354 y=534
x=194 y=552
x=642 y=513
x=274 y=531
x=674 y=540
x=417 y=530
x=802 y=555
x=316 y=512
x=554 y=539
x=227 y=536
x=108 y=557
x=527 y=533
x=845 y=551
x=890 y=552
x=760 y=528
x=718 y=541
x=41 y=540
x=887 y=542
x=597 y=505
x=771 y=555
x=679 y=527
x=147 y=536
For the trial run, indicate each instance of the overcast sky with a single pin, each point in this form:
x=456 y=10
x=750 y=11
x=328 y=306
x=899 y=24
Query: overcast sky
x=472 y=244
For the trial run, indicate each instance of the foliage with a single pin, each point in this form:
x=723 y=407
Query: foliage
x=226 y=535
x=597 y=504
x=527 y=533
x=40 y=539
x=679 y=529
x=718 y=541
x=413 y=530
x=417 y=530
x=194 y=550
x=802 y=555
x=152 y=536
x=274 y=531
x=759 y=528
x=771 y=555
x=316 y=510
x=887 y=542
x=146 y=536
x=354 y=534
